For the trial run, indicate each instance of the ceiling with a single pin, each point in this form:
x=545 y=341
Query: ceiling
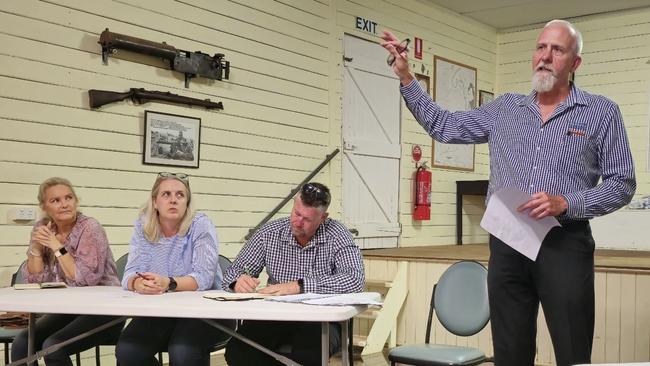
x=502 y=14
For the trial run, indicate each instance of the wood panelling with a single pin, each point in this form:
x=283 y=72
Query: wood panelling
x=622 y=328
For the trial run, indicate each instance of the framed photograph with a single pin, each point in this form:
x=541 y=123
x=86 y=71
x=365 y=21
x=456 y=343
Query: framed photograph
x=454 y=88
x=171 y=139
x=423 y=80
x=484 y=97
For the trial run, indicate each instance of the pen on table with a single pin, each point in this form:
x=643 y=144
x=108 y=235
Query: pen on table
x=141 y=275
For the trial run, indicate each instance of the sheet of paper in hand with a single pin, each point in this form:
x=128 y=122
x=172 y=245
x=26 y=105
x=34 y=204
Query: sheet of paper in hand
x=516 y=229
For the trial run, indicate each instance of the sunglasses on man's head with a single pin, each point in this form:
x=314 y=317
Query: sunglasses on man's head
x=181 y=176
x=315 y=192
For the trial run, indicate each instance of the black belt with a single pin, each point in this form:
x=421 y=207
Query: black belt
x=575 y=224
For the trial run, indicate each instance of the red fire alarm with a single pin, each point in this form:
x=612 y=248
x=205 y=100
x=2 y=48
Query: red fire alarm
x=418 y=48
x=416 y=153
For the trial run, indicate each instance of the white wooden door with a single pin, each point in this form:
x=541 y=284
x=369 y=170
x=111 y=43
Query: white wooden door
x=371 y=145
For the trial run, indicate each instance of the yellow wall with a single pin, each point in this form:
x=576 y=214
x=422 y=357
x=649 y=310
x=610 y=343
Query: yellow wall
x=282 y=103
x=615 y=63
x=282 y=109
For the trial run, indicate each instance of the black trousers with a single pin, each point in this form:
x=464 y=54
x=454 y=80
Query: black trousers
x=303 y=337
x=55 y=328
x=561 y=279
x=188 y=341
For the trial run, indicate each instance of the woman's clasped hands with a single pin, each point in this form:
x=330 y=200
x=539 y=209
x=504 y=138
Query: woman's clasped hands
x=44 y=236
x=149 y=283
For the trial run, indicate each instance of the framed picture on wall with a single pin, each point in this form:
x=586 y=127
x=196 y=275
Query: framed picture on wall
x=484 y=97
x=454 y=88
x=423 y=80
x=170 y=139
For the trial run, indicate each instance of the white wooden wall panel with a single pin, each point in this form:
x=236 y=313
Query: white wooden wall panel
x=622 y=328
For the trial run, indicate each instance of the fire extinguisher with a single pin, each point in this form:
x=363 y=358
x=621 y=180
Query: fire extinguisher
x=422 y=207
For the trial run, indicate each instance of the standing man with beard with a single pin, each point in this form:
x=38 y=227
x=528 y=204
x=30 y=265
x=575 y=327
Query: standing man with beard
x=555 y=144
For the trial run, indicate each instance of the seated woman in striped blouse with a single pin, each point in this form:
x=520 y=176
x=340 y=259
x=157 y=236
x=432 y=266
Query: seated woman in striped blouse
x=173 y=248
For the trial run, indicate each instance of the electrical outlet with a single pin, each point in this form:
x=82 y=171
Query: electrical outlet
x=22 y=214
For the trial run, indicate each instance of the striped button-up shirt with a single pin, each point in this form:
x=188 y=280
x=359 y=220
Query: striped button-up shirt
x=583 y=141
x=329 y=263
x=194 y=254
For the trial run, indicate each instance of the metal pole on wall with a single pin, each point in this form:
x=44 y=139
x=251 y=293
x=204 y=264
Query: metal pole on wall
x=292 y=193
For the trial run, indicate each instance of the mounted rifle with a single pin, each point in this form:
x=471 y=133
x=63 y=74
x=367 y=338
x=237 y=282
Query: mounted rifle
x=98 y=98
x=189 y=63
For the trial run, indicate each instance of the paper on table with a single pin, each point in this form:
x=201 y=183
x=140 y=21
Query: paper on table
x=38 y=286
x=518 y=230
x=360 y=298
x=234 y=296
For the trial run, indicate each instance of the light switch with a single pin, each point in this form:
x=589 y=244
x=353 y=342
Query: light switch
x=22 y=214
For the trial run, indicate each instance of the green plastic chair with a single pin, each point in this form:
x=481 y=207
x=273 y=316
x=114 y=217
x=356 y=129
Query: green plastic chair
x=460 y=300
x=120 y=265
x=7 y=335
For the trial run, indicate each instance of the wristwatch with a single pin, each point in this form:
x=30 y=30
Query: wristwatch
x=301 y=284
x=172 y=284
x=60 y=252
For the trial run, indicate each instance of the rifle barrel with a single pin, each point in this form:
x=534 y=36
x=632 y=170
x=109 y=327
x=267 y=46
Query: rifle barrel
x=112 y=40
x=98 y=98
x=142 y=95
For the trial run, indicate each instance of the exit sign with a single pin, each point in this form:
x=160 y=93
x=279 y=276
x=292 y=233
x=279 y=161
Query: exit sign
x=366 y=25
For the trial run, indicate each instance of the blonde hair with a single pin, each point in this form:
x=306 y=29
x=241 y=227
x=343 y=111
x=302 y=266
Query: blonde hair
x=49 y=183
x=151 y=224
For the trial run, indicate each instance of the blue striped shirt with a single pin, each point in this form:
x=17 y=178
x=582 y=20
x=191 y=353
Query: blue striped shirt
x=195 y=254
x=329 y=263
x=583 y=141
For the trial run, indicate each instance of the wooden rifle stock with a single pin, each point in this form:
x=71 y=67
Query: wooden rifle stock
x=98 y=98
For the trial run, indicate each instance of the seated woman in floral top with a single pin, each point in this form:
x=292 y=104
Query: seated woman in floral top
x=70 y=247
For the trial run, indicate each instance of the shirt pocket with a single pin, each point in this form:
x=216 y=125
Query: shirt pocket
x=577 y=153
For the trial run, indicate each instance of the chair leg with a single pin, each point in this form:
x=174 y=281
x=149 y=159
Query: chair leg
x=6 y=353
x=160 y=358
x=78 y=356
x=350 y=345
x=98 y=361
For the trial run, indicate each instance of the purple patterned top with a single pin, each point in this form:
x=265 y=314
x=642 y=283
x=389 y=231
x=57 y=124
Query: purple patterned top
x=88 y=245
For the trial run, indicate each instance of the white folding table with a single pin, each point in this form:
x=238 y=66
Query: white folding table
x=112 y=300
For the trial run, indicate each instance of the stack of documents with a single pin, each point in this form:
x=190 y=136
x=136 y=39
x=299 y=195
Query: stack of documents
x=234 y=296
x=361 y=298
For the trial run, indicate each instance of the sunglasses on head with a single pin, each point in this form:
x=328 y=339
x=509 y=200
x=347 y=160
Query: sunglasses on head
x=182 y=176
x=315 y=192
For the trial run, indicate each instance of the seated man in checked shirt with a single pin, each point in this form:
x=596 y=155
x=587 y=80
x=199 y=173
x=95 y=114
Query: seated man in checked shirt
x=307 y=252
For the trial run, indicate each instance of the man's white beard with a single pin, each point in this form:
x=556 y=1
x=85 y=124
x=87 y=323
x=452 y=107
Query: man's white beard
x=543 y=81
